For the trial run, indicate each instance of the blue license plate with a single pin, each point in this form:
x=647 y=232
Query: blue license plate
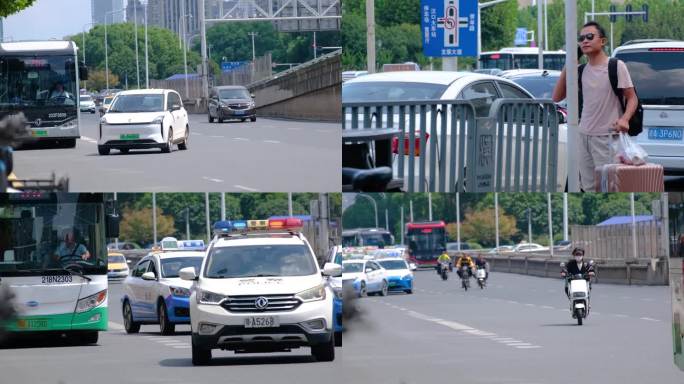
x=239 y=112
x=661 y=133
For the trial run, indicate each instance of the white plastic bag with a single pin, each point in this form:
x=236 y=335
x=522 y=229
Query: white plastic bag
x=628 y=152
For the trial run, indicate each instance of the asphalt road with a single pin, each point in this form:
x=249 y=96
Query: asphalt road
x=516 y=330
x=148 y=358
x=266 y=156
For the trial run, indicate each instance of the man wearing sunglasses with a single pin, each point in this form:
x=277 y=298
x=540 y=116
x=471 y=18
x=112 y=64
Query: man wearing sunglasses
x=601 y=112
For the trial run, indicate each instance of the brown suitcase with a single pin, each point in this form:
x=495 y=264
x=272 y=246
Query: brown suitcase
x=629 y=178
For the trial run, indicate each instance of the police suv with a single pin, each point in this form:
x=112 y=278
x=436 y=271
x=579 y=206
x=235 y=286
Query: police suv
x=260 y=289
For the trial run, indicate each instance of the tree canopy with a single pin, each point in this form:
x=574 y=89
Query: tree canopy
x=11 y=7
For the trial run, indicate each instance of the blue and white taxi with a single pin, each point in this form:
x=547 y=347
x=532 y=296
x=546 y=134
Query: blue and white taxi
x=154 y=293
x=366 y=276
x=398 y=273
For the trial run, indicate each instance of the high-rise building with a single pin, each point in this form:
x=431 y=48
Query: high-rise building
x=168 y=13
x=135 y=8
x=1 y=35
x=99 y=8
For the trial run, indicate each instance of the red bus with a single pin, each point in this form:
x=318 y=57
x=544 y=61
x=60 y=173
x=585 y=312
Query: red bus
x=426 y=241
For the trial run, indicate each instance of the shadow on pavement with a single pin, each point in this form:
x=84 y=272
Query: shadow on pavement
x=223 y=361
x=42 y=340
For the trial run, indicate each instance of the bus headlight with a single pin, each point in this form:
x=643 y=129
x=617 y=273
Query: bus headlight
x=90 y=302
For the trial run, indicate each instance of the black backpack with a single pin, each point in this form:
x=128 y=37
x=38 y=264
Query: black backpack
x=636 y=121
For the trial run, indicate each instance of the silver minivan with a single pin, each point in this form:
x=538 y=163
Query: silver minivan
x=657 y=71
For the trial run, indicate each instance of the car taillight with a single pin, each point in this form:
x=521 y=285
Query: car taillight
x=666 y=49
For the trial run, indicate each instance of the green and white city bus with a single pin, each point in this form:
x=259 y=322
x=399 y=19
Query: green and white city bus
x=53 y=258
x=41 y=80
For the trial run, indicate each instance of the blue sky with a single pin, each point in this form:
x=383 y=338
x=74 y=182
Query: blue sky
x=48 y=19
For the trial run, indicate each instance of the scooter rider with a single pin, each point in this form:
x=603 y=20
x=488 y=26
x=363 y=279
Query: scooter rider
x=465 y=259
x=481 y=263
x=577 y=266
x=443 y=258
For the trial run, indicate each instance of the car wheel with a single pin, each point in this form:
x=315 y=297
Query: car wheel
x=129 y=325
x=363 y=292
x=124 y=150
x=220 y=120
x=184 y=145
x=165 y=325
x=69 y=143
x=252 y=119
x=200 y=356
x=338 y=339
x=211 y=119
x=325 y=352
x=242 y=120
x=102 y=150
x=169 y=143
x=384 y=290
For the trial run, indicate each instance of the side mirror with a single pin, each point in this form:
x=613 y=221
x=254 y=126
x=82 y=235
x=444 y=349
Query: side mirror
x=6 y=157
x=562 y=265
x=112 y=221
x=252 y=95
x=591 y=262
x=332 y=270
x=128 y=261
x=148 y=276
x=188 y=273
x=369 y=270
x=175 y=107
x=413 y=267
x=82 y=71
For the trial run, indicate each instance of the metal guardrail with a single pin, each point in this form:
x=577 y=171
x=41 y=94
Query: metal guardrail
x=513 y=149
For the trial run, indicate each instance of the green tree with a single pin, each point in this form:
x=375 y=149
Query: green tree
x=136 y=225
x=11 y=7
x=97 y=79
x=479 y=226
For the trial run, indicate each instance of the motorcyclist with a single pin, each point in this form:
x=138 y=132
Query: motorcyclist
x=465 y=259
x=481 y=263
x=577 y=266
x=443 y=258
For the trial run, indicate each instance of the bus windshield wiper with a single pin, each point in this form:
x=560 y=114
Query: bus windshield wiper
x=76 y=272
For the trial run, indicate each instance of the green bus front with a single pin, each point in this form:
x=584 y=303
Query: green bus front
x=53 y=258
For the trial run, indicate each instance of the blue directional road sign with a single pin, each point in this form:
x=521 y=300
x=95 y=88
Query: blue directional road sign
x=449 y=27
x=228 y=66
x=520 y=36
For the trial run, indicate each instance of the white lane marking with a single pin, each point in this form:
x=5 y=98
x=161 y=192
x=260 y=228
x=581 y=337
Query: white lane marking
x=547 y=307
x=519 y=344
x=196 y=134
x=272 y=141
x=240 y=139
x=512 y=302
x=618 y=315
x=528 y=346
x=217 y=137
x=650 y=319
x=171 y=341
x=181 y=346
x=245 y=188
x=530 y=305
x=212 y=179
x=294 y=129
x=116 y=326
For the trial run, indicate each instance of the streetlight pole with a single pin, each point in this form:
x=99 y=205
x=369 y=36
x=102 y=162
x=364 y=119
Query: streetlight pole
x=375 y=206
x=147 y=62
x=370 y=33
x=253 y=34
x=203 y=33
x=137 y=60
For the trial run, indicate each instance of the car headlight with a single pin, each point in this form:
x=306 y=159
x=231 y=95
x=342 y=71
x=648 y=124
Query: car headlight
x=90 y=302
x=313 y=294
x=407 y=276
x=158 y=120
x=206 y=297
x=222 y=105
x=179 y=291
x=252 y=104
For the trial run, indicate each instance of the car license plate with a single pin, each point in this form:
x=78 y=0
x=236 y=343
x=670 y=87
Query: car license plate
x=130 y=136
x=39 y=133
x=239 y=112
x=262 y=322
x=32 y=324
x=662 y=133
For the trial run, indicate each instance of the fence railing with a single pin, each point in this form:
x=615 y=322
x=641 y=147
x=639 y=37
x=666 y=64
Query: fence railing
x=443 y=147
x=614 y=242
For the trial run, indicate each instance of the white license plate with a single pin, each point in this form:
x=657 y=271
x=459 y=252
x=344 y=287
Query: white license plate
x=262 y=322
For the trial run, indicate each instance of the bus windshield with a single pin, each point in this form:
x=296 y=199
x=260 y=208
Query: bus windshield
x=426 y=244
x=657 y=76
x=362 y=238
x=506 y=61
x=42 y=237
x=37 y=81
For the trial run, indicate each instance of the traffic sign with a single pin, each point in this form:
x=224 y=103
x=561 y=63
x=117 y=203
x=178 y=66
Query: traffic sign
x=520 y=36
x=228 y=66
x=449 y=27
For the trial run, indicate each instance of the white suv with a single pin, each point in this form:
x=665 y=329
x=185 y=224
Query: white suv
x=143 y=119
x=261 y=292
x=657 y=70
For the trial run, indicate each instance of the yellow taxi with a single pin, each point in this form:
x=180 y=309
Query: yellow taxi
x=117 y=267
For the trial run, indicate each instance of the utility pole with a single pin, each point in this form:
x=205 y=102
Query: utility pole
x=572 y=95
x=289 y=203
x=496 y=217
x=253 y=34
x=429 y=206
x=203 y=34
x=206 y=214
x=147 y=62
x=323 y=213
x=458 y=219
x=135 y=25
x=540 y=36
x=565 y=217
x=223 y=205
x=154 y=218
x=548 y=201
x=370 y=35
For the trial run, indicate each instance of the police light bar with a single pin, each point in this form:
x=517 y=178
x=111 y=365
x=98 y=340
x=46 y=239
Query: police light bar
x=226 y=227
x=191 y=245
